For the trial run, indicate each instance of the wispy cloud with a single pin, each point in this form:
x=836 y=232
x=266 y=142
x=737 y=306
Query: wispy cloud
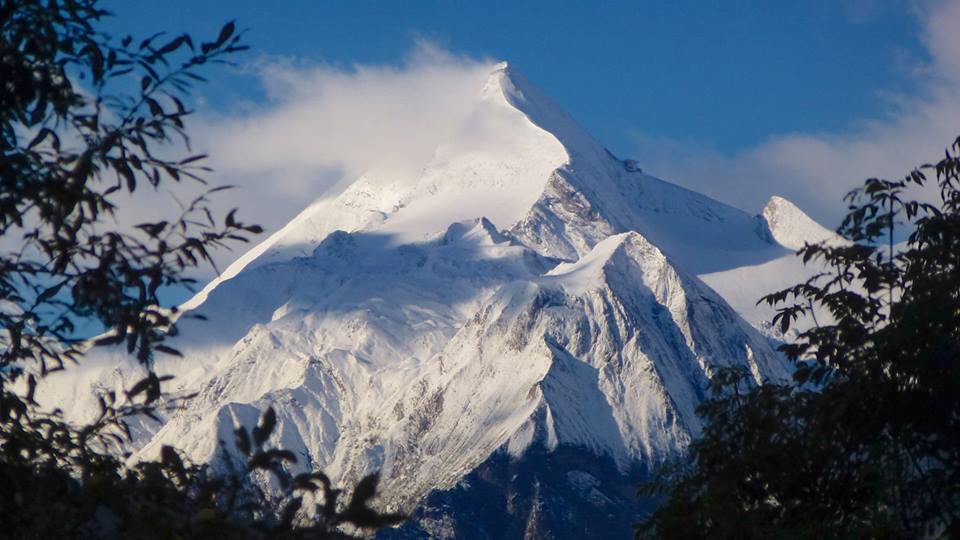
x=322 y=123
x=816 y=169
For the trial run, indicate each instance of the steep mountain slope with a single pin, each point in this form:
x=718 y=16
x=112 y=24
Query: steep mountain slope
x=526 y=296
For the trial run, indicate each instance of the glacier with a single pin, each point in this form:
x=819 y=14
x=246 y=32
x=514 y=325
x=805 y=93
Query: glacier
x=514 y=336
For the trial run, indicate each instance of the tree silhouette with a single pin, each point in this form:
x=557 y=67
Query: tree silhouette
x=86 y=119
x=866 y=444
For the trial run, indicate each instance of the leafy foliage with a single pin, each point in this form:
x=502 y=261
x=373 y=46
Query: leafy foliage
x=57 y=485
x=866 y=444
x=85 y=121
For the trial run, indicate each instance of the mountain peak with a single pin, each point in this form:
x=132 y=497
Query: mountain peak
x=523 y=280
x=791 y=227
x=590 y=269
x=495 y=81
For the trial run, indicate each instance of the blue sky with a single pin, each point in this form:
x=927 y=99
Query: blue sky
x=740 y=100
x=724 y=74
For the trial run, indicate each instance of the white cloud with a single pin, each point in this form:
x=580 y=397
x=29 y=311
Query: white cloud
x=319 y=124
x=816 y=169
x=323 y=123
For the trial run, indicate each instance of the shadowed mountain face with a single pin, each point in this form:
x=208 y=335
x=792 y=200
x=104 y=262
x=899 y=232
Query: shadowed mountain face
x=567 y=493
x=513 y=335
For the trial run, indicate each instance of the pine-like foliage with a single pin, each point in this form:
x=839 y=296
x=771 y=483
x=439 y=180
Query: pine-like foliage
x=866 y=443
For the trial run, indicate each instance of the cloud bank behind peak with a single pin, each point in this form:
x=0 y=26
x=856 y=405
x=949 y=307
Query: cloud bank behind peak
x=815 y=170
x=322 y=123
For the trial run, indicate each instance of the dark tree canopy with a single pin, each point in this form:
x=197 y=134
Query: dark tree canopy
x=866 y=444
x=85 y=120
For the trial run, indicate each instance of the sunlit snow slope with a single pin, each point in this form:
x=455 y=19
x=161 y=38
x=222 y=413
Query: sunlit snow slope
x=525 y=293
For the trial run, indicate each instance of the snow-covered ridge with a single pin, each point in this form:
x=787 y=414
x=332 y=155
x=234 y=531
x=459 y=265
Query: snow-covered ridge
x=526 y=290
x=791 y=228
x=495 y=166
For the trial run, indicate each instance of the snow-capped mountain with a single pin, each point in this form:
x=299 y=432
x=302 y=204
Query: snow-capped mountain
x=528 y=323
